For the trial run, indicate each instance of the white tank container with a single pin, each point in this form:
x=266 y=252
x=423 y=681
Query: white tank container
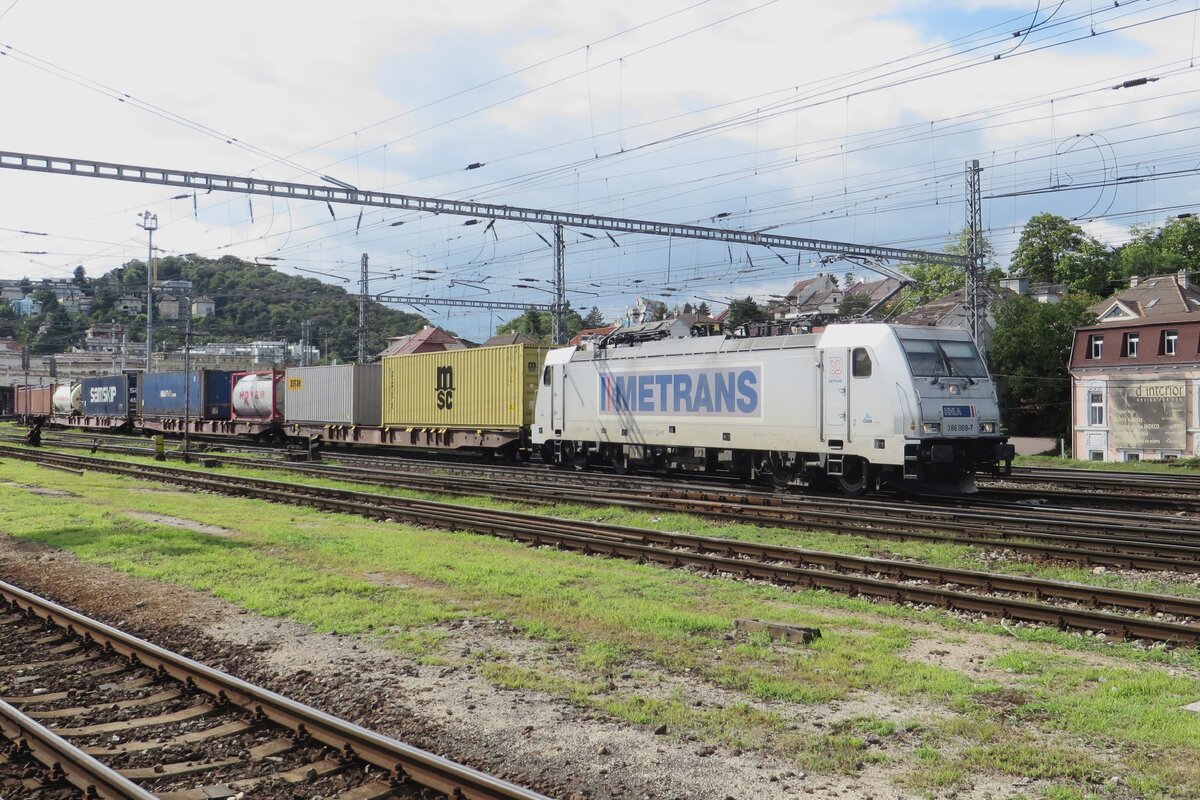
x=254 y=396
x=68 y=399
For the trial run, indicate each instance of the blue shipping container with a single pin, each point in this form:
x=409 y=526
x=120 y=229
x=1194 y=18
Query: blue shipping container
x=109 y=396
x=208 y=390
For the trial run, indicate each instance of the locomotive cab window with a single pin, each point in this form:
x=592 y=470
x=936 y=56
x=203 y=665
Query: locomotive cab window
x=943 y=358
x=546 y=373
x=862 y=363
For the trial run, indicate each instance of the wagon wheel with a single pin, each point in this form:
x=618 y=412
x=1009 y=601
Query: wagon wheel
x=854 y=478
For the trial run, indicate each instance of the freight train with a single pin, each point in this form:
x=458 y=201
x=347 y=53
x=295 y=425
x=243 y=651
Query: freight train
x=861 y=406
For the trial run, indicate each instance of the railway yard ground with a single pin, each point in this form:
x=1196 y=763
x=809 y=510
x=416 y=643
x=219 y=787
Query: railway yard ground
x=597 y=677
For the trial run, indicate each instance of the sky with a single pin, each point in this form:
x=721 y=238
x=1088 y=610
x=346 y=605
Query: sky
x=834 y=121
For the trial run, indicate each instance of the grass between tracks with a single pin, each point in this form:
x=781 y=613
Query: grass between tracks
x=1067 y=711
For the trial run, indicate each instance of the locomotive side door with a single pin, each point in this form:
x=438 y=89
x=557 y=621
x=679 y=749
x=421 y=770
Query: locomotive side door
x=558 y=400
x=835 y=394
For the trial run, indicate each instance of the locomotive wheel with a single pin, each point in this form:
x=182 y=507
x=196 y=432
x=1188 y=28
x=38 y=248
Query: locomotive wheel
x=775 y=473
x=574 y=456
x=853 y=480
x=620 y=463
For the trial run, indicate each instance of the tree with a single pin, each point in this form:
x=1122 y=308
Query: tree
x=594 y=318
x=1029 y=354
x=741 y=311
x=703 y=309
x=540 y=324
x=853 y=305
x=1141 y=255
x=931 y=281
x=80 y=278
x=1053 y=249
x=1179 y=242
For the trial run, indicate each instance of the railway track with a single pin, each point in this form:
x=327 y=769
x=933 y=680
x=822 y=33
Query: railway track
x=1064 y=605
x=1090 y=537
x=119 y=718
x=1080 y=487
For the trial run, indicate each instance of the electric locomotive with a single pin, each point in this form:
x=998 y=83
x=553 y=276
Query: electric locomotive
x=865 y=406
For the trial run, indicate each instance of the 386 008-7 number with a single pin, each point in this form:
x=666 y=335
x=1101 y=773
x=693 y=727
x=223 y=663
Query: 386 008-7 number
x=959 y=427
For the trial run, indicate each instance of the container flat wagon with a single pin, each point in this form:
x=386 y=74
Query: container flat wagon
x=108 y=402
x=256 y=406
x=33 y=402
x=340 y=403
x=477 y=400
x=164 y=406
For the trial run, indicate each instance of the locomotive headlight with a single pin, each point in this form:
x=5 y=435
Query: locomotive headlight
x=931 y=427
x=952 y=388
x=987 y=427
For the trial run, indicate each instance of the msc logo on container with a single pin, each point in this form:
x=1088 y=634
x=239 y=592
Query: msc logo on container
x=445 y=388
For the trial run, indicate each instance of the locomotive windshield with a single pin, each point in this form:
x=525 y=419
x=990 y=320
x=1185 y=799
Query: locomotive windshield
x=943 y=358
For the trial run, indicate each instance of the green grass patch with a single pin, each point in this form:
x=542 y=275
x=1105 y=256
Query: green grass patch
x=403 y=584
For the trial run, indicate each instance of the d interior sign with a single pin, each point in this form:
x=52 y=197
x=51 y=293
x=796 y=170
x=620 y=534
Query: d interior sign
x=1149 y=416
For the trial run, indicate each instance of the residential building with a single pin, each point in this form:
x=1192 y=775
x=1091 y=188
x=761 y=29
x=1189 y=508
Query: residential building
x=509 y=339
x=130 y=304
x=950 y=311
x=430 y=339
x=203 y=306
x=104 y=337
x=168 y=306
x=26 y=306
x=1135 y=375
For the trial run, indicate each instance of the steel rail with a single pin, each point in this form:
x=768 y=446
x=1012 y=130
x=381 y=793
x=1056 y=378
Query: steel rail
x=65 y=761
x=724 y=555
x=1165 y=551
x=401 y=760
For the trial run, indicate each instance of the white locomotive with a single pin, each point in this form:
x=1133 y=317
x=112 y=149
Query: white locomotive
x=866 y=405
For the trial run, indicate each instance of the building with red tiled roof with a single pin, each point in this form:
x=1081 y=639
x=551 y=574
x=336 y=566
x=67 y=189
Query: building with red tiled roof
x=591 y=335
x=429 y=339
x=950 y=311
x=1135 y=375
x=509 y=338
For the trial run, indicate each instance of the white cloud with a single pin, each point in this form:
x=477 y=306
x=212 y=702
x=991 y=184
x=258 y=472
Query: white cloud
x=300 y=77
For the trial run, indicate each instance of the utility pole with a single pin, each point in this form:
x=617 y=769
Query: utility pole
x=560 y=285
x=974 y=288
x=187 y=381
x=363 y=286
x=149 y=224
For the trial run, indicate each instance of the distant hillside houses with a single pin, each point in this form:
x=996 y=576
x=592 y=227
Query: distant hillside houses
x=19 y=296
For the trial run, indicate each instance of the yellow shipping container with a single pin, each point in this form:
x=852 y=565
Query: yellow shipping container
x=484 y=387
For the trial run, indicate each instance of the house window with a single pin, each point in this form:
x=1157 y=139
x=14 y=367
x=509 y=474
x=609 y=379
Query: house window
x=1095 y=345
x=1095 y=408
x=1133 y=456
x=1095 y=455
x=1170 y=343
x=1129 y=345
x=862 y=363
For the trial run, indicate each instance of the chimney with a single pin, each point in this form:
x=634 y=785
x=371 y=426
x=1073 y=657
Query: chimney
x=1182 y=279
x=1133 y=281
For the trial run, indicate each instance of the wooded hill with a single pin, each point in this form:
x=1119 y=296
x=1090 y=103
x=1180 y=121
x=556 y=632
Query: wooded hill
x=253 y=302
